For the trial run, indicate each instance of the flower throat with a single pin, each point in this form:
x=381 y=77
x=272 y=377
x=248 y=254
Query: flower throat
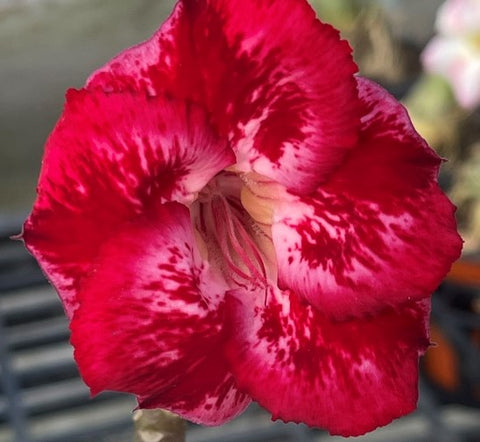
x=231 y=238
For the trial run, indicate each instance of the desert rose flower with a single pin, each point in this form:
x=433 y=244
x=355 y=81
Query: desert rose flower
x=455 y=52
x=229 y=214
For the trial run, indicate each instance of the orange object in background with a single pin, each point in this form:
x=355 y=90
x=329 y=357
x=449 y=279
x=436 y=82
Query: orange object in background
x=466 y=271
x=442 y=364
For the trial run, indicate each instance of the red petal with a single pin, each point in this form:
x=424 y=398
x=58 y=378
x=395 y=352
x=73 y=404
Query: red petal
x=380 y=232
x=150 y=321
x=278 y=82
x=348 y=377
x=109 y=158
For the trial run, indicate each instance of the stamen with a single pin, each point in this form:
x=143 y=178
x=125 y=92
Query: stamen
x=236 y=254
x=254 y=250
x=224 y=236
x=230 y=234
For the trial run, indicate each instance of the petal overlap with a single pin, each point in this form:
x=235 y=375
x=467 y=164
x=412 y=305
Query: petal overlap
x=110 y=157
x=364 y=239
x=150 y=321
x=278 y=82
x=348 y=377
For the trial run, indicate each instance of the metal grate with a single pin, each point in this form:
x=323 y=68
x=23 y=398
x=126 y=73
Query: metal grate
x=43 y=399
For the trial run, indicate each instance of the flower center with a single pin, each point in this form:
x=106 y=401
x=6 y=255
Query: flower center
x=234 y=229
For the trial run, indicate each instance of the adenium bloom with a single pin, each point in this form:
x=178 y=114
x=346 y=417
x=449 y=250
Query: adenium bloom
x=455 y=52
x=229 y=214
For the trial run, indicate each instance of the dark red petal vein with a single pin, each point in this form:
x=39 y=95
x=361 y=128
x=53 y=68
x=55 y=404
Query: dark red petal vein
x=380 y=231
x=278 y=82
x=110 y=157
x=150 y=321
x=348 y=377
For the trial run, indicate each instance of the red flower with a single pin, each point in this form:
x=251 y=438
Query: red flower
x=228 y=213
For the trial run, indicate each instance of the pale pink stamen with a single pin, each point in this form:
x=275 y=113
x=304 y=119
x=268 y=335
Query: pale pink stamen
x=229 y=232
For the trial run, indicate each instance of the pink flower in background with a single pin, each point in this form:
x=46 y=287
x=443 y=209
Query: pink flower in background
x=455 y=52
x=228 y=214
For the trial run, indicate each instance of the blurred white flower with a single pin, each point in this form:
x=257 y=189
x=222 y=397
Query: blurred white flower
x=455 y=52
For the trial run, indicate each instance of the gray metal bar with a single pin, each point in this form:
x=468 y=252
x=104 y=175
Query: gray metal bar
x=16 y=412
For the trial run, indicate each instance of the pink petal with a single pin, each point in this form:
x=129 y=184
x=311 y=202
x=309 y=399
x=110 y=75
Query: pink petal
x=440 y=54
x=457 y=60
x=278 y=82
x=150 y=321
x=380 y=232
x=348 y=377
x=458 y=18
x=467 y=89
x=109 y=159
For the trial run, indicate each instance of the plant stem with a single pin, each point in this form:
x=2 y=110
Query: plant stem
x=158 y=426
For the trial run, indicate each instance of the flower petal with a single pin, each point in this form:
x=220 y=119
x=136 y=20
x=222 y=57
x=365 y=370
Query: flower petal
x=380 y=232
x=457 y=60
x=348 y=377
x=278 y=82
x=109 y=158
x=150 y=321
x=458 y=18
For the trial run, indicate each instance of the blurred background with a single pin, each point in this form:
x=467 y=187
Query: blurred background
x=47 y=46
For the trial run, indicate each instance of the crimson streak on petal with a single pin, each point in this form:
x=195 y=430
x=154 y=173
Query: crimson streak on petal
x=278 y=82
x=349 y=377
x=150 y=321
x=369 y=237
x=110 y=157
